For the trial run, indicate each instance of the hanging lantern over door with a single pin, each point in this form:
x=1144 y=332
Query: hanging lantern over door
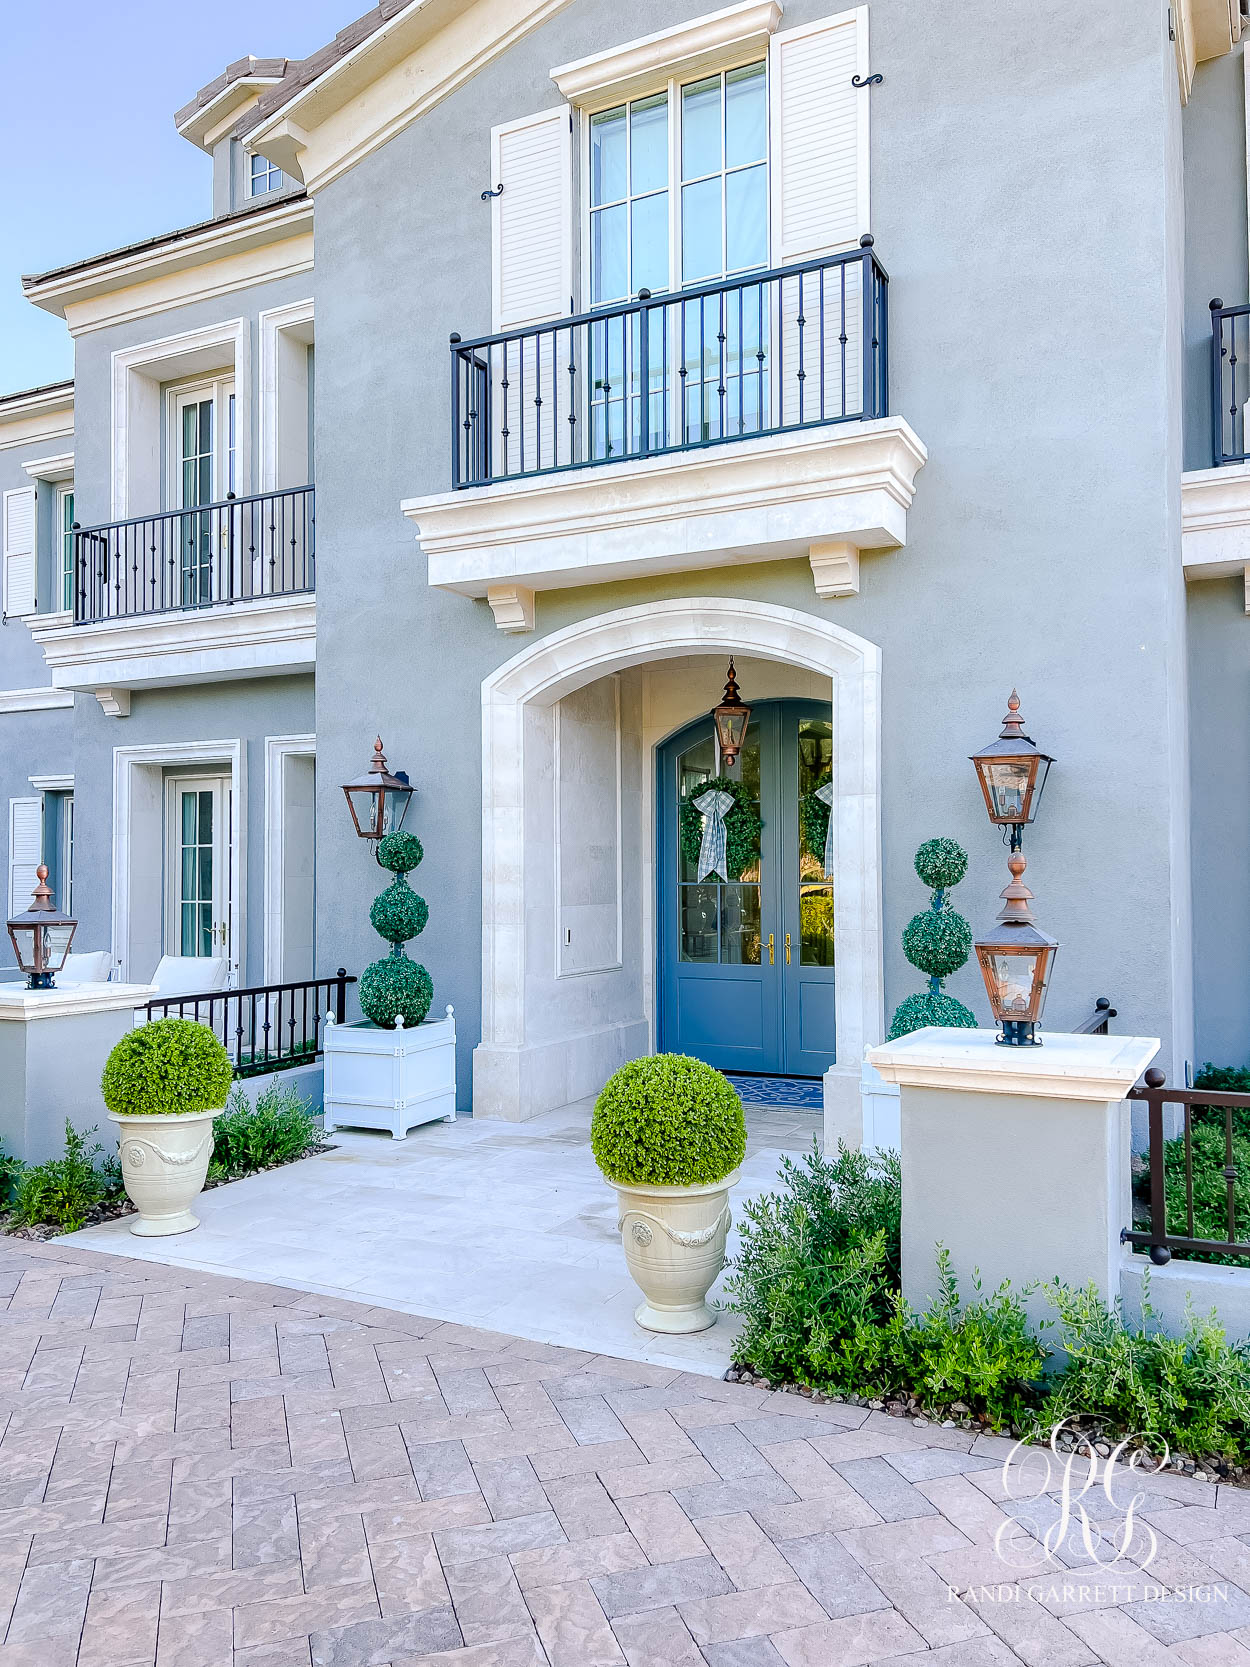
x=731 y=718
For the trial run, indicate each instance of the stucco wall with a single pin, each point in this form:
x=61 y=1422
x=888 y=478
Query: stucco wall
x=1026 y=203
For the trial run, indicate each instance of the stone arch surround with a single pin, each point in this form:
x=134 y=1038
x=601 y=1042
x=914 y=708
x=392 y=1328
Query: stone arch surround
x=518 y=1076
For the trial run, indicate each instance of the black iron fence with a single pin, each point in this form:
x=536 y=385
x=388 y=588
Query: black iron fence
x=1191 y=1196
x=271 y=1027
x=1096 y=1023
x=772 y=351
x=236 y=551
x=1230 y=382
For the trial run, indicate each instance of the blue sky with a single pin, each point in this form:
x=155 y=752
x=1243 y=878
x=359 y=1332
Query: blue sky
x=90 y=157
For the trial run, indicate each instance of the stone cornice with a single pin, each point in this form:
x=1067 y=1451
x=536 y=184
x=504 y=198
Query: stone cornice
x=1065 y=1067
x=690 y=49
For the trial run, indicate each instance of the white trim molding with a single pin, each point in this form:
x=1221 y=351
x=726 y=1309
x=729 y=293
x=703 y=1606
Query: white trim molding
x=138 y=848
x=779 y=496
x=518 y=1073
x=138 y=374
x=218 y=258
x=52 y=784
x=20 y=1005
x=278 y=748
x=59 y=468
x=46 y=699
x=1215 y=524
x=689 y=50
x=416 y=58
x=277 y=328
x=271 y=637
x=32 y=419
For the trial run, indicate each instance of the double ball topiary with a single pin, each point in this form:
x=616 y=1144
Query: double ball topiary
x=668 y=1121
x=168 y=1067
x=396 y=988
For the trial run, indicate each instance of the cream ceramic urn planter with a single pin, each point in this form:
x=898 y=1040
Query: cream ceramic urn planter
x=164 y=1159
x=674 y=1240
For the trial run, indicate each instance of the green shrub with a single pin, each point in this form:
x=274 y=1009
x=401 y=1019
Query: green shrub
x=1210 y=1188
x=930 y=1007
x=941 y=863
x=1192 y=1391
x=982 y=1352
x=10 y=1174
x=1223 y=1079
x=62 y=1192
x=937 y=941
x=247 y=1138
x=401 y=852
x=817 y=1270
x=170 y=1065
x=667 y=1121
x=398 y=913
x=395 y=988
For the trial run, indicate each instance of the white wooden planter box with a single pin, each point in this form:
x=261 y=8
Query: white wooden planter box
x=880 y=1102
x=389 y=1079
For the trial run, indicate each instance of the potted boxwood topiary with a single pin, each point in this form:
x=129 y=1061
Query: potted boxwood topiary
x=163 y=1084
x=668 y=1134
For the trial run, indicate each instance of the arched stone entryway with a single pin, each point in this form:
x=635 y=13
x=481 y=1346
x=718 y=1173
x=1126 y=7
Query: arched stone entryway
x=551 y=1032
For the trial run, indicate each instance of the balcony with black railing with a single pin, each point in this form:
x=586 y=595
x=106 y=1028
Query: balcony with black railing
x=242 y=550
x=767 y=353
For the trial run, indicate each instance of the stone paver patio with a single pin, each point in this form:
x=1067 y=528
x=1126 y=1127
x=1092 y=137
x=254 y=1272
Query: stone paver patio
x=200 y=1471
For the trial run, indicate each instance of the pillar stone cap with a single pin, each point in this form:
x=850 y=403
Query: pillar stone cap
x=1065 y=1067
x=22 y=1005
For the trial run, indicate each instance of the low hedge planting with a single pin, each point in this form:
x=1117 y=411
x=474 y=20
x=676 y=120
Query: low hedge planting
x=171 y=1066
x=668 y=1121
x=816 y=1283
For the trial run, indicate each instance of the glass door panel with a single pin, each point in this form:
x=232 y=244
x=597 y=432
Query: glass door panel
x=195 y=487
x=808 y=1029
x=198 y=867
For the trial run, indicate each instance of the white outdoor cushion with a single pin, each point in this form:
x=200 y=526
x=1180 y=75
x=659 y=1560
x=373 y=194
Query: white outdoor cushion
x=190 y=975
x=91 y=966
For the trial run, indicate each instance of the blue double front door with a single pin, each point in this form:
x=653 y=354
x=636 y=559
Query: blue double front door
x=747 y=955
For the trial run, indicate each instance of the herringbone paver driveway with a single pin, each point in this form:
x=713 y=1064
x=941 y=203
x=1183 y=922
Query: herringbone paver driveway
x=198 y=1471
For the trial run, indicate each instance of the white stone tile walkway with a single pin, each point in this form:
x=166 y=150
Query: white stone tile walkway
x=507 y=1226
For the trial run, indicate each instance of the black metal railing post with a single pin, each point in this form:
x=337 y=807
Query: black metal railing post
x=340 y=996
x=1217 y=396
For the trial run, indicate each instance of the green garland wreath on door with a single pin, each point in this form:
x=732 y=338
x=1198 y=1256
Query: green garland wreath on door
x=743 y=826
x=814 y=820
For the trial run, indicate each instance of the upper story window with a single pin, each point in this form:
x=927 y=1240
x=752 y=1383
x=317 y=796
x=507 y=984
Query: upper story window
x=263 y=176
x=65 y=549
x=679 y=185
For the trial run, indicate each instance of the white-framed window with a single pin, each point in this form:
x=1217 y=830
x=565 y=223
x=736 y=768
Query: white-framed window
x=65 y=544
x=677 y=185
x=263 y=176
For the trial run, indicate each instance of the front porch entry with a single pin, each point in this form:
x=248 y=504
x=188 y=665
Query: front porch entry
x=583 y=964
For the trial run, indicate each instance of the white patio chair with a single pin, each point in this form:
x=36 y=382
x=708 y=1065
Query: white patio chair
x=186 y=975
x=89 y=966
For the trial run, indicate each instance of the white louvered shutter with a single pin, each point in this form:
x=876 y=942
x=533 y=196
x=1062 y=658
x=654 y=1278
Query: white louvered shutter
x=533 y=283
x=19 y=551
x=532 y=219
x=819 y=136
x=25 y=850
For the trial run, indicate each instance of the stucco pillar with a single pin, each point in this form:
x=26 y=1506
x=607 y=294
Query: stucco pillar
x=53 y=1045
x=1016 y=1159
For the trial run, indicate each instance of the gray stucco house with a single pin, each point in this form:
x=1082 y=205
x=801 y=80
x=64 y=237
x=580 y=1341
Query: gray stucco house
x=870 y=347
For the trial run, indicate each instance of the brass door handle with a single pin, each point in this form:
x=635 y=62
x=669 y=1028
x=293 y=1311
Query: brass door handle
x=770 y=949
x=787 y=949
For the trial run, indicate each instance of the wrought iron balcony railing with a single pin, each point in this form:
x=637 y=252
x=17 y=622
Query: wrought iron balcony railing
x=1230 y=382
x=241 y=550
x=766 y=353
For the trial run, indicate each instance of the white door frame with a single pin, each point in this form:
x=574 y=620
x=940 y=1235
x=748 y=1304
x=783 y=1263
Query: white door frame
x=138 y=847
x=219 y=785
x=514 y=1075
x=278 y=748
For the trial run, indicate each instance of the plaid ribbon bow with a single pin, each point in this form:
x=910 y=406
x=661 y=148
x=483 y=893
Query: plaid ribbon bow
x=825 y=795
x=712 y=807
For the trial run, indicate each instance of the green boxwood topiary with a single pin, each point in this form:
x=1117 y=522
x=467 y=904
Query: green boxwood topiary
x=395 y=988
x=401 y=852
x=941 y=863
x=168 y=1066
x=398 y=913
x=937 y=942
x=668 y=1121
x=929 y=1007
